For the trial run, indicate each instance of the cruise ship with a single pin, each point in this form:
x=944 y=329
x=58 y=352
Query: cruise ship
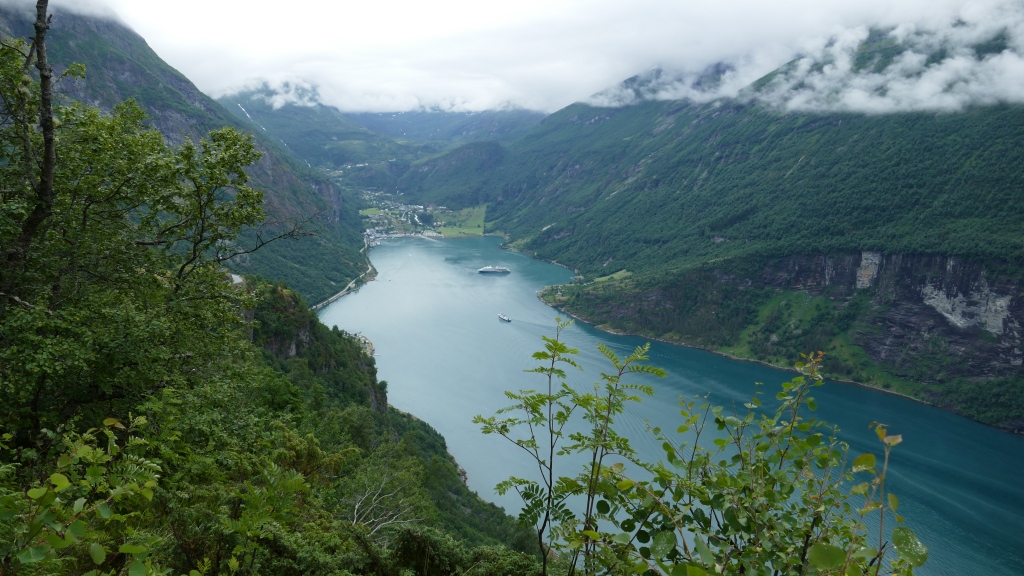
x=493 y=270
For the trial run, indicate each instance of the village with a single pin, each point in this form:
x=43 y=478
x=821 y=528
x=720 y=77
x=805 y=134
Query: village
x=387 y=216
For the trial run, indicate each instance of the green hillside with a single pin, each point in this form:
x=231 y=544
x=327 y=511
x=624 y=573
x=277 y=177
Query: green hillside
x=669 y=184
x=322 y=136
x=120 y=65
x=457 y=179
x=379 y=151
x=452 y=127
x=704 y=222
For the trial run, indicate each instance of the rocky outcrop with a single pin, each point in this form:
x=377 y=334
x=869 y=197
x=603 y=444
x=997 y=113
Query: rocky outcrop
x=937 y=316
x=950 y=324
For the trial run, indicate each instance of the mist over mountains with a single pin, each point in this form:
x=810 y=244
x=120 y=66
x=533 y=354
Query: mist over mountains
x=972 y=60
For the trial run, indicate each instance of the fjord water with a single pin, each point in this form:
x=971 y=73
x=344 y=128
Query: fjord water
x=446 y=357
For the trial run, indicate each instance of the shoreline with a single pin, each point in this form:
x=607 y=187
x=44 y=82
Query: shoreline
x=350 y=288
x=684 y=345
x=755 y=361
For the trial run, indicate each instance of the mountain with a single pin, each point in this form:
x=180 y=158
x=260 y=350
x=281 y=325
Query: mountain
x=323 y=137
x=370 y=150
x=454 y=127
x=120 y=65
x=890 y=241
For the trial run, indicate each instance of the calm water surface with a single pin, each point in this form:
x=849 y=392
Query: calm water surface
x=447 y=357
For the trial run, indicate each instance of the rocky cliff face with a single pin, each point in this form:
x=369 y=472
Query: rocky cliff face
x=924 y=309
x=316 y=359
x=945 y=330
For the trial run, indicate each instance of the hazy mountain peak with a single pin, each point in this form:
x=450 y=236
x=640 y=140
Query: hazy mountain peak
x=974 y=59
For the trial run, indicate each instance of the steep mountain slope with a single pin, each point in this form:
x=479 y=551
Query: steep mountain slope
x=893 y=241
x=375 y=150
x=455 y=127
x=120 y=65
x=664 y=184
x=458 y=178
x=320 y=135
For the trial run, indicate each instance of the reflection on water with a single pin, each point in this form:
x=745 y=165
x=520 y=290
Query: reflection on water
x=447 y=357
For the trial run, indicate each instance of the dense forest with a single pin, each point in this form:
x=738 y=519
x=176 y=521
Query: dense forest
x=122 y=66
x=161 y=415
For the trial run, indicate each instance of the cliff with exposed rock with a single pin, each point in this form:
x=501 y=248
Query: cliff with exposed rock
x=942 y=329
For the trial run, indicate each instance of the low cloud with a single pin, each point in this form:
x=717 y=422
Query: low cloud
x=459 y=55
x=974 y=57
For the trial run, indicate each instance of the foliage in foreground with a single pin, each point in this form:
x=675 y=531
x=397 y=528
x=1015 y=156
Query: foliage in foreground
x=141 y=430
x=768 y=491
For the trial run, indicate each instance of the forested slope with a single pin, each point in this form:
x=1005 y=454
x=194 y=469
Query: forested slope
x=663 y=184
x=375 y=150
x=120 y=66
x=179 y=419
x=697 y=217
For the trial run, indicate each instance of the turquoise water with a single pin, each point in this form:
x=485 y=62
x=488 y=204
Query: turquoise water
x=447 y=357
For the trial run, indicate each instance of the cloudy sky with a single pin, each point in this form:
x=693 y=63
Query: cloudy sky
x=389 y=55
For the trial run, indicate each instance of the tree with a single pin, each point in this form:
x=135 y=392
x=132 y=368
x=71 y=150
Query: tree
x=764 y=492
x=545 y=414
x=112 y=247
x=384 y=493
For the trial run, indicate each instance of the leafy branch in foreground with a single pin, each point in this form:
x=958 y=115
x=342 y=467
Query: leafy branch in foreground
x=77 y=511
x=761 y=492
x=544 y=502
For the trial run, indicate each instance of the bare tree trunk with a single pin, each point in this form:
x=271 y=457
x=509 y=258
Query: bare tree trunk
x=42 y=185
x=49 y=163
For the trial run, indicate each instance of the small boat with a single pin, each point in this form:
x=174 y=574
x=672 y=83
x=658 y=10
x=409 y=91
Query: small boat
x=493 y=270
x=503 y=318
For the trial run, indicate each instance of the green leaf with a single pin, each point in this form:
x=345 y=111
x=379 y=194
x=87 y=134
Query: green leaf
x=77 y=529
x=79 y=504
x=591 y=534
x=893 y=440
x=60 y=482
x=104 y=511
x=132 y=549
x=622 y=538
x=826 y=556
x=864 y=462
x=33 y=554
x=705 y=553
x=37 y=493
x=114 y=422
x=603 y=507
x=56 y=541
x=137 y=569
x=695 y=571
x=664 y=542
x=625 y=484
x=909 y=547
x=97 y=553
x=894 y=502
